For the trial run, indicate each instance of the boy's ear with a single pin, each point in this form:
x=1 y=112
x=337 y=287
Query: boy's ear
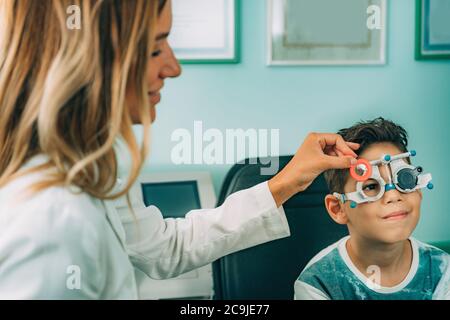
x=335 y=209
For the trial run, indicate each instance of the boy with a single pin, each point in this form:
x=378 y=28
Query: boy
x=378 y=260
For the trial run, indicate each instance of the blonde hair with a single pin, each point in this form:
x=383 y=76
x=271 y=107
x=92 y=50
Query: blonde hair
x=63 y=92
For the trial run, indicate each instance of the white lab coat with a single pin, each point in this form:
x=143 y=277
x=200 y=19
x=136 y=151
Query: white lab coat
x=62 y=245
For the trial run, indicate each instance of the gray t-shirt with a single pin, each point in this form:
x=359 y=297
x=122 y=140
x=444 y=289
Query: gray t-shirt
x=332 y=275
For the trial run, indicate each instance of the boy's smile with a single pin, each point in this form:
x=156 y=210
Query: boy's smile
x=397 y=215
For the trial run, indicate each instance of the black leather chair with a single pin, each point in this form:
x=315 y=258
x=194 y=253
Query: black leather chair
x=268 y=271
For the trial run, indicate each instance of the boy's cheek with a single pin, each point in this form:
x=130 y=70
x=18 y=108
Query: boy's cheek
x=419 y=192
x=414 y=199
x=364 y=213
x=369 y=210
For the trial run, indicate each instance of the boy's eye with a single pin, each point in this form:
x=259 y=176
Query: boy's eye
x=371 y=186
x=156 y=53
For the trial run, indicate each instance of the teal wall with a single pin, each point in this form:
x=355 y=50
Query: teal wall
x=298 y=100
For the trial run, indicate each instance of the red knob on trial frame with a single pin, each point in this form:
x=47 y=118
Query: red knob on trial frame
x=366 y=175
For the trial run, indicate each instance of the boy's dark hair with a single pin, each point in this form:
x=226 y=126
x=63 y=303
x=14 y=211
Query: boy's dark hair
x=366 y=133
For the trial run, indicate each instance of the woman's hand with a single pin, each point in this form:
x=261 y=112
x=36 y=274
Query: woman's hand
x=318 y=153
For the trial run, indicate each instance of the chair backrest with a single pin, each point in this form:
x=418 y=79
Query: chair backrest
x=268 y=271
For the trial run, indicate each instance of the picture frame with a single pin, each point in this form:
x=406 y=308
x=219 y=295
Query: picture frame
x=432 y=29
x=301 y=32
x=206 y=31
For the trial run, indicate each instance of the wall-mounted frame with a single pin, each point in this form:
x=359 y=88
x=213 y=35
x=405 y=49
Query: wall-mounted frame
x=302 y=32
x=432 y=29
x=206 y=31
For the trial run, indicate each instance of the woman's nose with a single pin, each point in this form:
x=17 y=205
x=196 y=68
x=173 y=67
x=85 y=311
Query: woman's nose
x=172 y=67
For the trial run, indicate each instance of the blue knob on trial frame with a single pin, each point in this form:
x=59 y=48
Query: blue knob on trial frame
x=430 y=186
x=389 y=187
x=353 y=205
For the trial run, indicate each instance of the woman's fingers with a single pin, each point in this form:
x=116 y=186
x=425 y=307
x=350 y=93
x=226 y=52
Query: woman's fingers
x=330 y=139
x=344 y=148
x=339 y=153
x=343 y=162
x=353 y=145
x=332 y=153
x=319 y=152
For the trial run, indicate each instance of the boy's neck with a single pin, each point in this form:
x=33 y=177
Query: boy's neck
x=393 y=260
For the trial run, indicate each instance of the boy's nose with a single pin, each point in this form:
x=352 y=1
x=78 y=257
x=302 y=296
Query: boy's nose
x=392 y=196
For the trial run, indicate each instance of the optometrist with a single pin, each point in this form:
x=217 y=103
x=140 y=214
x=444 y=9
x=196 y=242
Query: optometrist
x=66 y=96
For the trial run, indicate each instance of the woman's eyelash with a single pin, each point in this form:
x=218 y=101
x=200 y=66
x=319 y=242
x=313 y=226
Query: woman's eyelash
x=156 y=53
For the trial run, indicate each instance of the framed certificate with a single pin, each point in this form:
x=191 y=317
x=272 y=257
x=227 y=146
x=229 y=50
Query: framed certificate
x=206 y=31
x=432 y=29
x=326 y=32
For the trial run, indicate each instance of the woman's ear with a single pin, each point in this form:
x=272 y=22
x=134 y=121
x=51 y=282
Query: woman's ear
x=336 y=209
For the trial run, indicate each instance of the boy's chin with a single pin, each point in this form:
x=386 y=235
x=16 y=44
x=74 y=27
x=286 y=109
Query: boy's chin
x=394 y=236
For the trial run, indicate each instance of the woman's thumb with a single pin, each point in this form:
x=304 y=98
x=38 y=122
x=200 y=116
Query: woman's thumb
x=341 y=162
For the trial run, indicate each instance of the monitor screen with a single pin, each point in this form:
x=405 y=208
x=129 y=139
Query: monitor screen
x=174 y=199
